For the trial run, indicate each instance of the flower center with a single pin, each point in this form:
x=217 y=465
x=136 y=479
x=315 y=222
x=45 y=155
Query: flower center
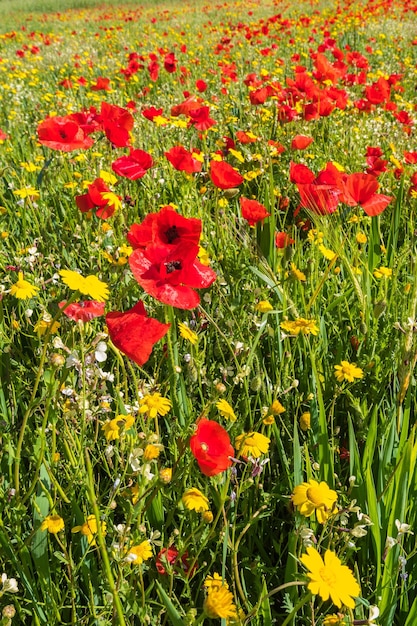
x=172 y=234
x=204 y=447
x=315 y=495
x=171 y=266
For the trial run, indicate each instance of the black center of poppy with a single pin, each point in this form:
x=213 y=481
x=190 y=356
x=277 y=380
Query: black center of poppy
x=171 y=266
x=172 y=234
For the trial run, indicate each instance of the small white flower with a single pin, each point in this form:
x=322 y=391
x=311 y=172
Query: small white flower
x=72 y=360
x=373 y=614
x=390 y=542
x=359 y=531
x=9 y=584
x=101 y=352
x=403 y=528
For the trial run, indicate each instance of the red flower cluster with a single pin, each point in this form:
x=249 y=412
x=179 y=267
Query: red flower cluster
x=71 y=132
x=211 y=447
x=165 y=262
x=322 y=193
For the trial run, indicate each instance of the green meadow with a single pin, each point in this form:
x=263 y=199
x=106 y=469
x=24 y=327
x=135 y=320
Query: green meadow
x=208 y=313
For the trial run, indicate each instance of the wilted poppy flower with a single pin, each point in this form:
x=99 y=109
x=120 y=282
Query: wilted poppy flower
x=211 y=447
x=99 y=197
x=253 y=211
x=171 y=274
x=224 y=175
x=167 y=228
x=83 y=311
x=134 y=165
x=63 y=133
x=134 y=333
x=183 y=160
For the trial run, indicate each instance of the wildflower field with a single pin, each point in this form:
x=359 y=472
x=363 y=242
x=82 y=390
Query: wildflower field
x=208 y=313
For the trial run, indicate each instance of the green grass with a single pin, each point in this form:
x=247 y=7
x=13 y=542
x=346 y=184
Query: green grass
x=61 y=388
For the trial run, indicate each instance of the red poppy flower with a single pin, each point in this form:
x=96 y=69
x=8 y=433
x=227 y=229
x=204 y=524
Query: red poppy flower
x=253 y=211
x=244 y=138
x=165 y=228
x=200 y=118
x=183 y=160
x=83 y=311
x=360 y=189
x=87 y=120
x=171 y=556
x=301 y=142
x=99 y=197
x=319 y=194
x=116 y=122
x=151 y=112
x=171 y=273
x=224 y=175
x=134 y=333
x=211 y=447
x=102 y=84
x=63 y=133
x=409 y=157
x=170 y=62
x=201 y=85
x=282 y=240
x=134 y=165
x=3 y=135
x=185 y=107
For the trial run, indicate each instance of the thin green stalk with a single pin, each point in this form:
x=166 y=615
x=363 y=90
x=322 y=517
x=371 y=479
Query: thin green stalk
x=101 y=542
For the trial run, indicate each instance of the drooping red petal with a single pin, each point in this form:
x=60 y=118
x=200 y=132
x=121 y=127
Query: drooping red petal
x=134 y=333
x=376 y=205
x=83 y=311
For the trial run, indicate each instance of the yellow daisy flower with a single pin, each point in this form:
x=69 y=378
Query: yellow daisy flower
x=22 y=289
x=313 y=497
x=300 y=326
x=195 y=500
x=347 y=371
x=154 y=404
x=53 y=524
x=252 y=444
x=330 y=579
x=88 y=286
x=226 y=410
x=187 y=334
x=140 y=553
x=89 y=529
